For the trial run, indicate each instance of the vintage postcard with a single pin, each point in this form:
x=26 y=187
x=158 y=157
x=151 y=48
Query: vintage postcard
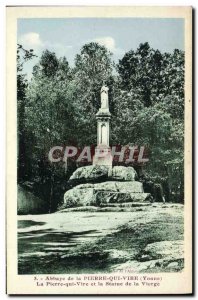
x=99 y=150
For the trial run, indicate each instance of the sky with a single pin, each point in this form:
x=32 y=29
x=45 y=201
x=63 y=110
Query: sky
x=65 y=37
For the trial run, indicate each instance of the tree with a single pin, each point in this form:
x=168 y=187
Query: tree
x=140 y=70
x=49 y=115
x=49 y=63
x=23 y=56
x=93 y=67
x=156 y=81
x=173 y=74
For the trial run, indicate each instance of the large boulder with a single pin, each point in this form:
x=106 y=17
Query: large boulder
x=90 y=173
x=170 y=250
x=79 y=197
x=102 y=173
x=115 y=186
x=124 y=173
x=108 y=197
x=164 y=256
x=28 y=203
x=100 y=185
x=106 y=192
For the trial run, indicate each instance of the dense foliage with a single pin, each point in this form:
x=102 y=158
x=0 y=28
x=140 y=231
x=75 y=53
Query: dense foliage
x=58 y=106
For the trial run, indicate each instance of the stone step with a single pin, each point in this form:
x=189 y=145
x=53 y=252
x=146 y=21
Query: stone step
x=127 y=204
x=86 y=195
x=114 y=186
x=107 y=197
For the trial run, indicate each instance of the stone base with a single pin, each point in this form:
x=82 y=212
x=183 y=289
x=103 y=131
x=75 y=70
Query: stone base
x=101 y=194
x=102 y=156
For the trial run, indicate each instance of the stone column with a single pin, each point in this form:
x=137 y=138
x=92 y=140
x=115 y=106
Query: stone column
x=103 y=117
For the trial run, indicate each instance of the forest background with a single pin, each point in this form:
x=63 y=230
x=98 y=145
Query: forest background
x=58 y=106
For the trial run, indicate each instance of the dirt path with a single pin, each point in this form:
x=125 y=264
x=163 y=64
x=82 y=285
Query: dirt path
x=90 y=242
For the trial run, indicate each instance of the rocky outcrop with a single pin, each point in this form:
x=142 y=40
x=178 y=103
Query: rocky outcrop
x=90 y=173
x=103 y=197
x=101 y=173
x=27 y=203
x=123 y=173
x=106 y=192
x=123 y=187
x=103 y=185
x=78 y=197
x=164 y=255
x=171 y=250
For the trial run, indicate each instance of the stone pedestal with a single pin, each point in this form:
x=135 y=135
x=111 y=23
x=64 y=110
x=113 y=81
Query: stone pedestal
x=103 y=152
x=103 y=117
x=102 y=156
x=104 y=186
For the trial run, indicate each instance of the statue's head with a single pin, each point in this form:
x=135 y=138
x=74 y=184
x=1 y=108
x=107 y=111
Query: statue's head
x=104 y=88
